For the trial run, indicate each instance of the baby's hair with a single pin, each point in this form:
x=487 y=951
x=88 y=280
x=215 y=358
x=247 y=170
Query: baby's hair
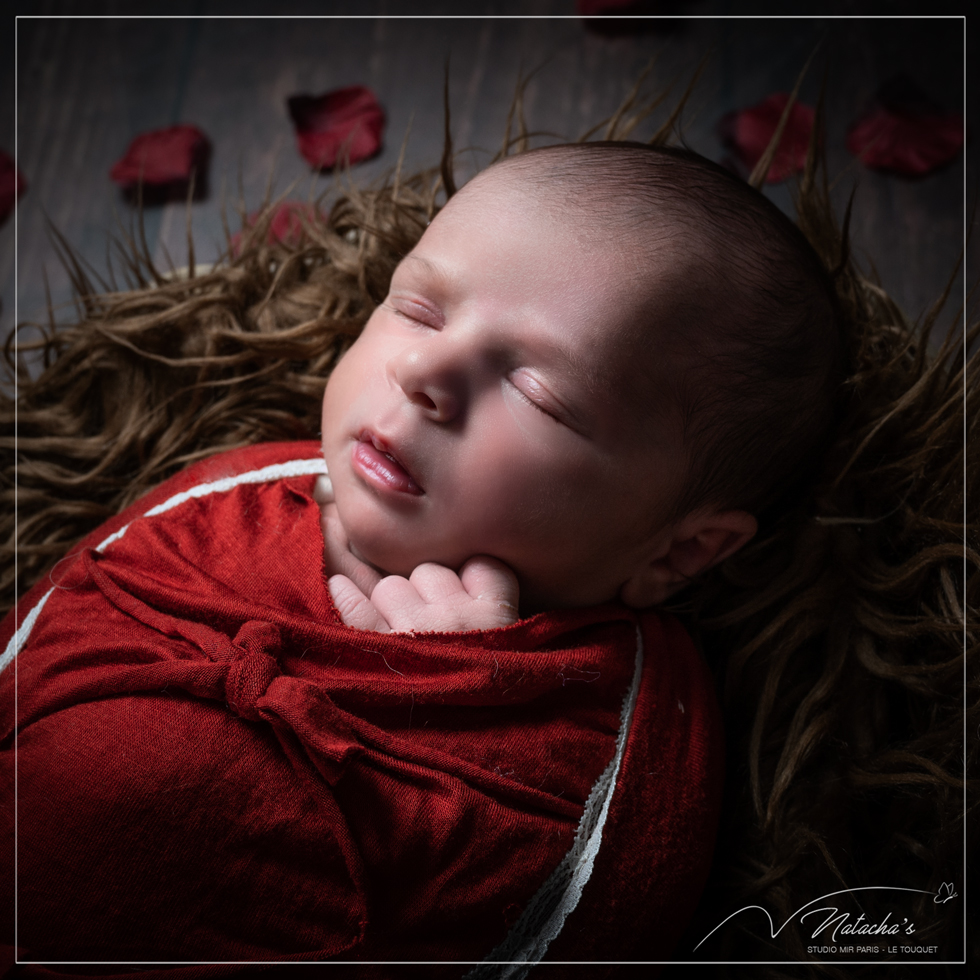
x=751 y=316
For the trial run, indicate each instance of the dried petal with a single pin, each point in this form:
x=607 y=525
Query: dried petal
x=285 y=224
x=345 y=124
x=905 y=132
x=12 y=185
x=749 y=131
x=162 y=156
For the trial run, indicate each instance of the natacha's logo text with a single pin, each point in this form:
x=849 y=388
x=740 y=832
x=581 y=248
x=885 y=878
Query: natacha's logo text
x=840 y=924
x=836 y=925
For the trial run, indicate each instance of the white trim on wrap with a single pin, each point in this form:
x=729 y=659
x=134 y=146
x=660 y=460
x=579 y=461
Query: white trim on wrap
x=115 y=536
x=556 y=899
x=277 y=471
x=20 y=636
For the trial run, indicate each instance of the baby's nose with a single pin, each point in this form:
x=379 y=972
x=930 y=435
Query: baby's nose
x=431 y=380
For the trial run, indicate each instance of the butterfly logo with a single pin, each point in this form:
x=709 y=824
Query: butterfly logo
x=945 y=893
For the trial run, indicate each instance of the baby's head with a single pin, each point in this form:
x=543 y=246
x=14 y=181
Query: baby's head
x=599 y=363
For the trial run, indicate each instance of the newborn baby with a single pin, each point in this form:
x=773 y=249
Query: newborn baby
x=600 y=364
x=594 y=367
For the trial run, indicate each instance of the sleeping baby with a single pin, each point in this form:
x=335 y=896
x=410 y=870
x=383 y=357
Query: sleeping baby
x=405 y=695
x=626 y=342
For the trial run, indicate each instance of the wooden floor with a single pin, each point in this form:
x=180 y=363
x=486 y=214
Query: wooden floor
x=85 y=87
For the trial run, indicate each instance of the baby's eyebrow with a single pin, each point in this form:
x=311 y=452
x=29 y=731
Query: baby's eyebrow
x=433 y=269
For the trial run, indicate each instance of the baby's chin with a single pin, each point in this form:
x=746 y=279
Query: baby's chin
x=371 y=557
x=395 y=551
x=393 y=557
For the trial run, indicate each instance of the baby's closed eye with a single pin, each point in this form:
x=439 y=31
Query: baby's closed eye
x=415 y=311
x=534 y=393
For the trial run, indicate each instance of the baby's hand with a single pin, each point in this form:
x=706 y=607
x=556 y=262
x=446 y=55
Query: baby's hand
x=434 y=598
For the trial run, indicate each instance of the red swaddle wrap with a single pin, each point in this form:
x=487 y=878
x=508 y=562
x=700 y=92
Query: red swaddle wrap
x=212 y=767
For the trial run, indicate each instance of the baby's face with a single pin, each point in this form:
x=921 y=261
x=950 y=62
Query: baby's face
x=487 y=407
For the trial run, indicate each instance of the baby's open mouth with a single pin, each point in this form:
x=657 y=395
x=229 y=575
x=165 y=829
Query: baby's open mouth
x=373 y=459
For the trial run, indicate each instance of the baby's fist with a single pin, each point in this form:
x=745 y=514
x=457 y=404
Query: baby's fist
x=433 y=599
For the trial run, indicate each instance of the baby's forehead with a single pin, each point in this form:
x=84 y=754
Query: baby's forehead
x=653 y=262
x=654 y=241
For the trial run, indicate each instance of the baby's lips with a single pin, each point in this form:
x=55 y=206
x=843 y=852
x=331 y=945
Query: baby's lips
x=343 y=125
x=379 y=444
x=162 y=156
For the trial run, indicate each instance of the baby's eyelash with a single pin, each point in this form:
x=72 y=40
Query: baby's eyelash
x=419 y=320
x=539 y=407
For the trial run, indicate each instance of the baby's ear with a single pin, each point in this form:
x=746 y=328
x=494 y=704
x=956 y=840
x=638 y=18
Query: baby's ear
x=691 y=546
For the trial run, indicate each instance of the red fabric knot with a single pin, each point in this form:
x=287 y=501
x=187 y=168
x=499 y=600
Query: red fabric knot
x=254 y=668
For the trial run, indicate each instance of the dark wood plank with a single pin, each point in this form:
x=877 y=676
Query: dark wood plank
x=86 y=87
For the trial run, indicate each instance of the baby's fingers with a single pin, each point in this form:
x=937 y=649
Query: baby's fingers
x=436 y=584
x=398 y=600
x=355 y=608
x=491 y=582
x=436 y=598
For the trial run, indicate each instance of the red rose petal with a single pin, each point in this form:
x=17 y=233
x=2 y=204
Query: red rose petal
x=162 y=156
x=748 y=133
x=12 y=185
x=286 y=224
x=906 y=143
x=346 y=123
